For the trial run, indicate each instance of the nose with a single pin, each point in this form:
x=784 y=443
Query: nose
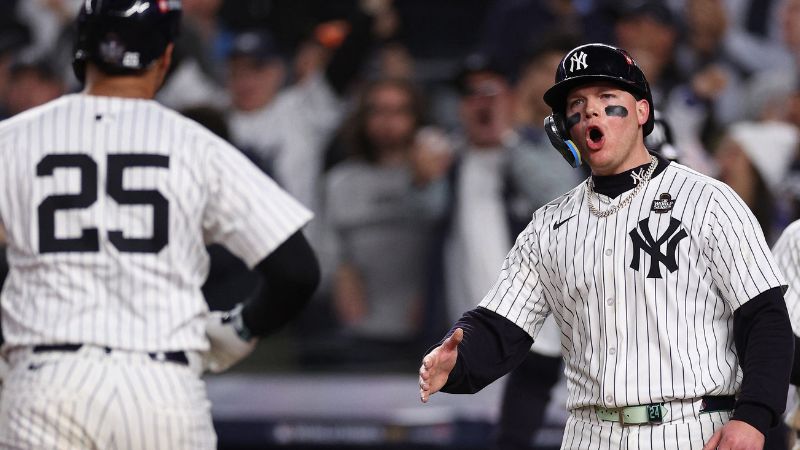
x=592 y=108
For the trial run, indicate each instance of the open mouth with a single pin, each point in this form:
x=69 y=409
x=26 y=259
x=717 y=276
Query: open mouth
x=595 y=137
x=484 y=116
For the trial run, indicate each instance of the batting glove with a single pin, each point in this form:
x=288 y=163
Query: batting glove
x=229 y=338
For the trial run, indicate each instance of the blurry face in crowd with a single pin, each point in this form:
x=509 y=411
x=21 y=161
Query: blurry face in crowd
x=253 y=84
x=309 y=58
x=607 y=130
x=649 y=41
x=201 y=8
x=486 y=109
x=707 y=22
x=390 y=122
x=790 y=24
x=536 y=79
x=28 y=89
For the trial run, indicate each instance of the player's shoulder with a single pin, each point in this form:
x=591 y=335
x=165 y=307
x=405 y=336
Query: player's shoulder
x=565 y=204
x=22 y=119
x=677 y=170
x=716 y=189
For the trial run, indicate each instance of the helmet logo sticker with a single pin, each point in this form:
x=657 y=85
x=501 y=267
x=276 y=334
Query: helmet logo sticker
x=111 y=50
x=136 y=8
x=131 y=59
x=577 y=61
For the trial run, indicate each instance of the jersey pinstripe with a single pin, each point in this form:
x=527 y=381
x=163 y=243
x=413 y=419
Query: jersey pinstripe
x=108 y=204
x=787 y=255
x=643 y=298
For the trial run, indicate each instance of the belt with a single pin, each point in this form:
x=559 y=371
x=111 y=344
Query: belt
x=178 y=357
x=655 y=412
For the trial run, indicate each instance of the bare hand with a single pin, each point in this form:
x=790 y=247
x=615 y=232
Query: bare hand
x=437 y=364
x=736 y=435
x=709 y=83
x=431 y=155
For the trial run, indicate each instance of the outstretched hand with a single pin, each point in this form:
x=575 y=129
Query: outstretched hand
x=736 y=435
x=437 y=364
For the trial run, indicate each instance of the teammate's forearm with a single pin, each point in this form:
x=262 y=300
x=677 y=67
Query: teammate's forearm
x=492 y=347
x=765 y=345
x=291 y=274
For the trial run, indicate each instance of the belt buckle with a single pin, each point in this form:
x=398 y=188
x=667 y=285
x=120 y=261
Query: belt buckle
x=621 y=415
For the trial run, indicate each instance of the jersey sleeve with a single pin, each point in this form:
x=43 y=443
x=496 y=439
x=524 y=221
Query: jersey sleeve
x=247 y=212
x=741 y=265
x=518 y=294
x=787 y=256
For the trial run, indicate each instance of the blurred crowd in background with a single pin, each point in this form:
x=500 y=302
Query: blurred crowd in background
x=413 y=130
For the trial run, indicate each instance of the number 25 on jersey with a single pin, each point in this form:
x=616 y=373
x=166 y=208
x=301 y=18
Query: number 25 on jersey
x=89 y=239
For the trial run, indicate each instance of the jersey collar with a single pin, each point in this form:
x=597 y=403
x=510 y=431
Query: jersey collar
x=614 y=185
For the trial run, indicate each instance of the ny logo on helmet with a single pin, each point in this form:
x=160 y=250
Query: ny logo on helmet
x=577 y=61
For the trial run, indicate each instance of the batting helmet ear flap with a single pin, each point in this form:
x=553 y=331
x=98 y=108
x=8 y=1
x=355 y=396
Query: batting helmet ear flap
x=556 y=130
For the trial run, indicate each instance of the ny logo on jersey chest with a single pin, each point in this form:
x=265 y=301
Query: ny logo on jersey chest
x=643 y=241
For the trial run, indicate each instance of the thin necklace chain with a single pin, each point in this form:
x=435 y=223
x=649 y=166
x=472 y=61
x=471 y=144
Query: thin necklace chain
x=590 y=193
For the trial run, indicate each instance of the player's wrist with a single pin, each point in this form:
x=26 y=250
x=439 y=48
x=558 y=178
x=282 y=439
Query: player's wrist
x=755 y=415
x=235 y=319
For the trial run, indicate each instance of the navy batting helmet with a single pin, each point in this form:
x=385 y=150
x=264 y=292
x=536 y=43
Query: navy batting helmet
x=124 y=36
x=599 y=62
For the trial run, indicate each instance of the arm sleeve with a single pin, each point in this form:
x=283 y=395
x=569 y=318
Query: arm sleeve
x=291 y=274
x=492 y=347
x=765 y=346
x=794 y=378
x=246 y=211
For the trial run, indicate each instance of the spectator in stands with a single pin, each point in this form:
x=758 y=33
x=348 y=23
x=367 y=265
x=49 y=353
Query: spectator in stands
x=380 y=232
x=288 y=129
x=32 y=84
x=754 y=159
x=649 y=31
x=196 y=77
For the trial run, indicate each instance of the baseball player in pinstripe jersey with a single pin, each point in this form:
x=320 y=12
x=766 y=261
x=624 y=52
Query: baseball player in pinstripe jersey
x=108 y=200
x=787 y=255
x=673 y=326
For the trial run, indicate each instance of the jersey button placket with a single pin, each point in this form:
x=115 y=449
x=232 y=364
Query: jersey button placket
x=609 y=314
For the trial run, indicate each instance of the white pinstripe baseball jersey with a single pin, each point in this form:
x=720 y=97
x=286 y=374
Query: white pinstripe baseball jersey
x=108 y=204
x=787 y=255
x=643 y=298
